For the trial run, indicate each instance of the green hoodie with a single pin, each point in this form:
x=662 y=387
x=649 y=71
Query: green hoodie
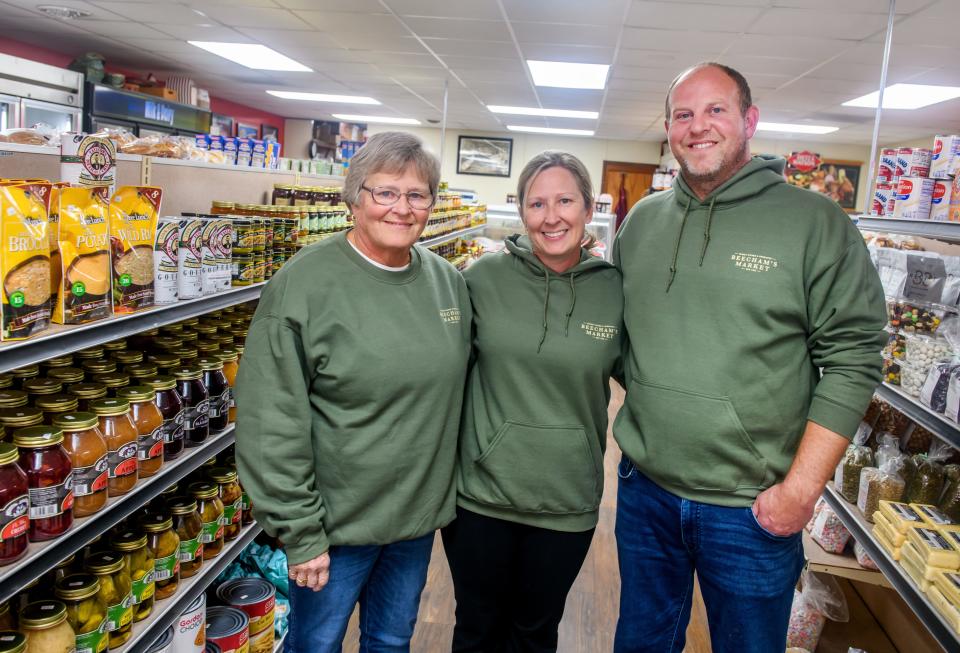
x=534 y=423
x=349 y=397
x=731 y=305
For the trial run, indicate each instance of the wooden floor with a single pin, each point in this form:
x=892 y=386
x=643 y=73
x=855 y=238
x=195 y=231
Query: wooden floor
x=592 y=606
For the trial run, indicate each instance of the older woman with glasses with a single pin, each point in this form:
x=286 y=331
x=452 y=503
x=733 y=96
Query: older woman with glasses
x=349 y=401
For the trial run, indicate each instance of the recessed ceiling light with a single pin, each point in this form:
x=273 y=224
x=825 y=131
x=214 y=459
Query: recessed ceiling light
x=382 y=119
x=550 y=130
x=323 y=97
x=252 y=55
x=550 y=113
x=568 y=75
x=69 y=13
x=794 y=128
x=906 y=96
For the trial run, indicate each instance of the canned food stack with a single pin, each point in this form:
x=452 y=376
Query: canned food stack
x=918 y=183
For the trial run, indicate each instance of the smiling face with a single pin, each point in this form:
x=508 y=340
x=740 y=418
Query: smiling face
x=707 y=131
x=556 y=217
x=386 y=233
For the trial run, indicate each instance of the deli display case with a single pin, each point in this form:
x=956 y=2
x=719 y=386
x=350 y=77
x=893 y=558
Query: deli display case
x=33 y=94
x=504 y=220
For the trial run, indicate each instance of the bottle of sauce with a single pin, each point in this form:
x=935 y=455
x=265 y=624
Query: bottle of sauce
x=49 y=480
x=196 y=420
x=149 y=422
x=88 y=454
x=122 y=443
x=218 y=390
x=14 y=506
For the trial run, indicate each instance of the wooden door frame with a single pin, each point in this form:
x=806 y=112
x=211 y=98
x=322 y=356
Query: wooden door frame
x=628 y=167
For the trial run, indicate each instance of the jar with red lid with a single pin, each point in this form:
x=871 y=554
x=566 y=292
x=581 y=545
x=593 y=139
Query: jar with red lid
x=49 y=479
x=196 y=420
x=14 y=506
x=172 y=410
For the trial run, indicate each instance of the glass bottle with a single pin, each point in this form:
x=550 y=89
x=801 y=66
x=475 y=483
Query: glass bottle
x=98 y=366
x=231 y=496
x=88 y=454
x=211 y=512
x=15 y=418
x=138 y=562
x=127 y=358
x=90 y=352
x=122 y=443
x=230 y=358
x=49 y=478
x=141 y=371
x=60 y=361
x=116 y=591
x=165 y=362
x=45 y=626
x=149 y=422
x=42 y=387
x=14 y=504
x=189 y=528
x=112 y=347
x=171 y=407
x=86 y=611
x=196 y=420
x=165 y=545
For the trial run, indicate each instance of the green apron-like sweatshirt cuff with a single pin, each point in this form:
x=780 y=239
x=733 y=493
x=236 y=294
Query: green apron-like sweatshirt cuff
x=306 y=548
x=839 y=419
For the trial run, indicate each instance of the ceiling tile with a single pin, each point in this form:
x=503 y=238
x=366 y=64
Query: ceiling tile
x=466 y=48
x=122 y=29
x=860 y=6
x=665 y=75
x=595 y=35
x=809 y=22
x=174 y=14
x=567 y=53
x=795 y=47
x=349 y=6
x=259 y=17
x=672 y=40
x=476 y=30
x=201 y=32
x=675 y=61
x=749 y=65
x=461 y=9
x=348 y=24
x=574 y=12
x=668 y=15
x=97 y=13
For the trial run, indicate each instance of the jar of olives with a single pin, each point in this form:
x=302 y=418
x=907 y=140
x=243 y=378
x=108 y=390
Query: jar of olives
x=164 y=543
x=116 y=592
x=138 y=562
x=86 y=611
x=189 y=528
x=211 y=512
x=45 y=626
x=230 y=495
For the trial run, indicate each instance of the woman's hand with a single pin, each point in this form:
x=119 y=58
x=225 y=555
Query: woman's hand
x=313 y=573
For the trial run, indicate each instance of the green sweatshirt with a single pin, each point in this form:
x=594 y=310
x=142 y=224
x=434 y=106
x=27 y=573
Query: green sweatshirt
x=731 y=305
x=535 y=416
x=349 y=396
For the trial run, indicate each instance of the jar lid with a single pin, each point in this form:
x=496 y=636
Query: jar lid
x=169 y=491
x=13 y=398
x=104 y=562
x=112 y=379
x=141 y=371
x=172 y=330
x=57 y=403
x=208 y=364
x=208 y=347
x=223 y=338
x=76 y=587
x=136 y=393
x=182 y=505
x=210 y=462
x=187 y=373
x=185 y=353
x=42 y=386
x=224 y=205
x=222 y=475
x=205 y=328
x=12 y=642
x=164 y=360
x=128 y=357
x=190 y=321
x=156 y=523
x=8 y=453
x=228 y=355
x=72 y=422
x=115 y=346
x=37 y=436
x=20 y=416
x=66 y=562
x=40 y=615
x=90 y=352
x=203 y=490
x=128 y=540
x=98 y=365
x=26 y=372
x=88 y=390
x=109 y=407
x=66 y=374
x=6 y=380
x=167 y=342
x=160 y=383
x=189 y=336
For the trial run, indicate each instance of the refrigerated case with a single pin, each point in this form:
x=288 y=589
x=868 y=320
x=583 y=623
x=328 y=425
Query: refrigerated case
x=33 y=93
x=141 y=114
x=504 y=220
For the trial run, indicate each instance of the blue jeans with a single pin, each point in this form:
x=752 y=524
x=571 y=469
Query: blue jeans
x=386 y=580
x=746 y=575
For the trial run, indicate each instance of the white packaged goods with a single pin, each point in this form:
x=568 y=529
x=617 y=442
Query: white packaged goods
x=87 y=161
x=188 y=634
x=913 y=162
x=216 y=248
x=940 y=201
x=913 y=198
x=944 y=159
x=881 y=197
x=955 y=200
x=189 y=282
x=888 y=165
x=166 y=261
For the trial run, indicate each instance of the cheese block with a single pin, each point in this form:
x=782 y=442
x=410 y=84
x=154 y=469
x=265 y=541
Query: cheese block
x=882 y=526
x=934 y=548
x=900 y=515
x=887 y=545
x=952 y=536
x=948 y=610
x=910 y=554
x=909 y=561
x=948 y=582
x=934 y=517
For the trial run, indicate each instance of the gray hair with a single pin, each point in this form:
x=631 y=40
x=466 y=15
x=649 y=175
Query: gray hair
x=390 y=152
x=554 y=159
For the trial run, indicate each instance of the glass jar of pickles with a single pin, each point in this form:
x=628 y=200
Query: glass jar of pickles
x=231 y=497
x=116 y=592
x=164 y=543
x=88 y=453
x=149 y=422
x=138 y=562
x=122 y=443
x=189 y=528
x=45 y=626
x=86 y=611
x=211 y=512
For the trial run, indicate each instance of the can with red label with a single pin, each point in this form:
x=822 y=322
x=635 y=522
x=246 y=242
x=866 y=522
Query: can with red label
x=14 y=506
x=945 y=156
x=255 y=596
x=940 y=201
x=881 y=197
x=228 y=628
x=888 y=165
x=913 y=162
x=913 y=198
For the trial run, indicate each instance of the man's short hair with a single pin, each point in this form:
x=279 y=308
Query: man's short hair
x=743 y=88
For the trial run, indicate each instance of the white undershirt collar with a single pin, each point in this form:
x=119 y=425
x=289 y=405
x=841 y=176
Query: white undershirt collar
x=402 y=268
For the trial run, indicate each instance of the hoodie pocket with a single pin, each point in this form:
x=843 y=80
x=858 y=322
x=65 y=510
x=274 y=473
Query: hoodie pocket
x=544 y=469
x=694 y=440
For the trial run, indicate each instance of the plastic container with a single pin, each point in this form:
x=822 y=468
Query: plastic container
x=87 y=448
x=891 y=370
x=49 y=478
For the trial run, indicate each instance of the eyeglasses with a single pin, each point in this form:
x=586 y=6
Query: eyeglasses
x=385 y=196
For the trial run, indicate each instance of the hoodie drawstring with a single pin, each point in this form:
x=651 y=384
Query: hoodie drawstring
x=573 y=303
x=546 y=306
x=676 y=248
x=706 y=231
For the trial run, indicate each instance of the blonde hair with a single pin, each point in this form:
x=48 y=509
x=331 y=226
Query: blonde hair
x=554 y=159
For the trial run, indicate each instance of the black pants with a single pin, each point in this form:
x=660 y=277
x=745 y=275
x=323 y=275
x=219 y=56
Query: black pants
x=510 y=581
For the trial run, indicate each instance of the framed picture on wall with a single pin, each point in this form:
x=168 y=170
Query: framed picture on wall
x=247 y=131
x=839 y=180
x=269 y=132
x=221 y=125
x=479 y=155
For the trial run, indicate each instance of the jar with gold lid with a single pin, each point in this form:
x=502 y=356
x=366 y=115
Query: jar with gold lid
x=112 y=381
x=168 y=402
x=6 y=381
x=13 y=398
x=87 y=448
x=86 y=611
x=186 y=355
x=116 y=591
x=87 y=392
x=149 y=422
x=207 y=348
x=122 y=443
x=54 y=405
x=95 y=366
x=166 y=343
x=164 y=362
x=114 y=346
x=46 y=629
x=39 y=387
x=189 y=528
x=67 y=375
x=230 y=495
x=15 y=418
x=24 y=373
x=210 y=508
x=59 y=361
x=189 y=337
x=165 y=546
x=141 y=371
x=89 y=352
x=50 y=480
x=128 y=357
x=139 y=563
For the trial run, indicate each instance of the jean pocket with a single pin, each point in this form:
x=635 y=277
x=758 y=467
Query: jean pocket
x=626 y=468
x=756 y=522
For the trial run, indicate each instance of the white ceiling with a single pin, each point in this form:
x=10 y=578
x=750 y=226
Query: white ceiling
x=802 y=57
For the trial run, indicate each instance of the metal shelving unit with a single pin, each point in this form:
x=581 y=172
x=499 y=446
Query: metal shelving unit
x=946 y=231
x=146 y=632
x=41 y=557
x=912 y=595
x=278 y=646
x=64 y=339
x=936 y=423
x=453 y=235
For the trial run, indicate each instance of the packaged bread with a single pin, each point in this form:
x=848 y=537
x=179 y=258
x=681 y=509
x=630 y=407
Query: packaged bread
x=933 y=548
x=83 y=240
x=24 y=259
x=947 y=610
x=133 y=227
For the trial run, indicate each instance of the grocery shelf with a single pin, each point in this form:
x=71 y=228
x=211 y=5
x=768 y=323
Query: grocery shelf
x=63 y=339
x=166 y=612
x=453 y=235
x=278 y=645
x=936 y=423
x=844 y=566
x=947 y=231
x=912 y=595
x=41 y=557
x=187 y=163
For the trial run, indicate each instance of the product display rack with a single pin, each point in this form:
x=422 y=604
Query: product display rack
x=166 y=612
x=945 y=231
x=453 y=235
x=936 y=423
x=278 y=645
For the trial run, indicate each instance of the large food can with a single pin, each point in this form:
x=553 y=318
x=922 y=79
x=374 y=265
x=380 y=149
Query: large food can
x=913 y=162
x=255 y=596
x=913 y=198
x=888 y=165
x=945 y=155
x=164 y=643
x=229 y=628
x=189 y=255
x=166 y=261
x=940 y=202
x=188 y=633
x=212 y=648
x=881 y=197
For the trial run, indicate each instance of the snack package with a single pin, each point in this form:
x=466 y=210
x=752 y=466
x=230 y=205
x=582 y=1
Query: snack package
x=133 y=227
x=25 y=259
x=829 y=532
x=926 y=485
x=166 y=261
x=917 y=440
x=933 y=394
x=87 y=160
x=863 y=559
x=817 y=508
x=847 y=477
x=83 y=241
x=878 y=484
x=820 y=599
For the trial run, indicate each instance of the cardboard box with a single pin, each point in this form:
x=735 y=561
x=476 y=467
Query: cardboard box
x=160 y=91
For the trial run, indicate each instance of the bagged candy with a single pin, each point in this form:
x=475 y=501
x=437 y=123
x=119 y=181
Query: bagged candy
x=821 y=502
x=847 y=478
x=820 y=599
x=829 y=532
x=933 y=394
x=892 y=421
x=863 y=559
x=918 y=440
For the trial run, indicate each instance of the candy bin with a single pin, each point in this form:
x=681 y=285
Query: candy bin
x=895 y=347
x=891 y=370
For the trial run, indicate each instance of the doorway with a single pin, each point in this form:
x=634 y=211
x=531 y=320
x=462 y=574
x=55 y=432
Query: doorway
x=637 y=178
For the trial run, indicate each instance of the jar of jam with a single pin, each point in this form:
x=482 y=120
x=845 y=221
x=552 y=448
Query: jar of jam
x=164 y=362
x=189 y=528
x=114 y=346
x=187 y=356
x=86 y=611
x=218 y=391
x=138 y=562
x=45 y=626
x=149 y=422
x=172 y=410
x=13 y=398
x=282 y=194
x=90 y=352
x=128 y=357
x=49 y=480
x=165 y=546
x=143 y=340
x=88 y=454
x=162 y=344
x=14 y=506
x=116 y=590
x=122 y=443
x=40 y=387
x=15 y=418
x=231 y=497
x=112 y=381
x=141 y=371
x=207 y=348
x=211 y=513
x=53 y=405
x=24 y=373
x=98 y=366
x=67 y=375
x=230 y=358
x=193 y=392
x=87 y=392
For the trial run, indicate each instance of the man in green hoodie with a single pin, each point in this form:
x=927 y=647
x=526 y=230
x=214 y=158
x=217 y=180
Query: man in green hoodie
x=755 y=322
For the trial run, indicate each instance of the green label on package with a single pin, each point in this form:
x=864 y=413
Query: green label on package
x=232 y=513
x=190 y=550
x=245 y=501
x=93 y=642
x=166 y=568
x=120 y=615
x=211 y=531
x=143 y=588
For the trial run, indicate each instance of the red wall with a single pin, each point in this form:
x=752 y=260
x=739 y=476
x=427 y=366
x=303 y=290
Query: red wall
x=239 y=112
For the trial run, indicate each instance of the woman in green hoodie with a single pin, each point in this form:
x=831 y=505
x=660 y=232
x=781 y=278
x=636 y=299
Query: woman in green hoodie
x=547 y=337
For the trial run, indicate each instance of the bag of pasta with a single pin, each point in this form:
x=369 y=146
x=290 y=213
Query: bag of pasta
x=133 y=227
x=24 y=259
x=83 y=241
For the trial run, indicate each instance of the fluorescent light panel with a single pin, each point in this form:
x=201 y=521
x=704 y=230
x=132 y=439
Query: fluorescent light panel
x=381 y=119
x=252 y=55
x=906 y=96
x=323 y=97
x=549 y=113
x=568 y=75
x=794 y=128
x=550 y=130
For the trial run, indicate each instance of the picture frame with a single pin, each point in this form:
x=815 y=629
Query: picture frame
x=269 y=132
x=484 y=156
x=221 y=125
x=245 y=130
x=836 y=178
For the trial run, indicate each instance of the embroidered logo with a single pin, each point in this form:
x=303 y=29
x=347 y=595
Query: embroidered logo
x=450 y=315
x=600 y=331
x=754 y=262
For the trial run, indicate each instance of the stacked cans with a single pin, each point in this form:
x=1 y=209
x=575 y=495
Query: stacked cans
x=914 y=183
